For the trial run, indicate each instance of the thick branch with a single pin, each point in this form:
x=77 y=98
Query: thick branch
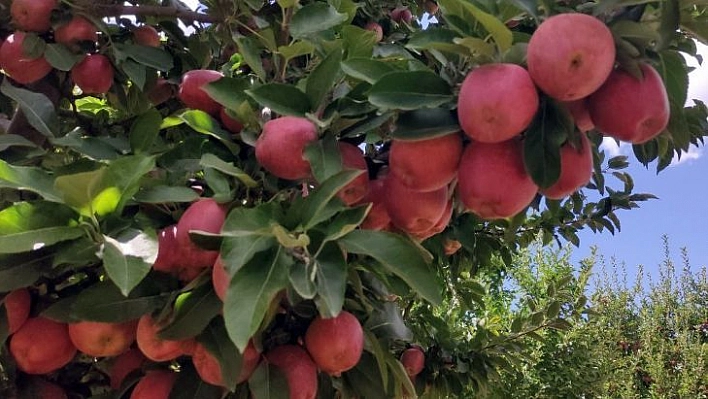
x=115 y=10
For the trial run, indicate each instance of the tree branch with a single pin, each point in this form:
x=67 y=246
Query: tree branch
x=115 y=10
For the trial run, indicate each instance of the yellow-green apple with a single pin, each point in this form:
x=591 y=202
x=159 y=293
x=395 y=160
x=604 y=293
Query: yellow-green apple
x=631 y=109
x=426 y=165
x=299 y=370
x=413 y=360
x=32 y=15
x=231 y=124
x=146 y=35
x=17 y=308
x=336 y=343
x=412 y=211
x=156 y=384
x=576 y=169
x=99 y=339
x=570 y=55
x=18 y=65
x=376 y=28
x=581 y=115
x=41 y=346
x=77 y=30
x=93 y=74
x=496 y=102
x=492 y=180
x=125 y=364
x=378 y=217
x=280 y=147
x=192 y=94
x=353 y=158
x=154 y=347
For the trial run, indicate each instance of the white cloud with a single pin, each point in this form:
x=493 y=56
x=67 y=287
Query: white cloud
x=698 y=79
x=612 y=149
x=692 y=154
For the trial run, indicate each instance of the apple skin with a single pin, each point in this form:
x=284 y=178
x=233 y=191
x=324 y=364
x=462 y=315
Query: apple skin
x=496 y=102
x=154 y=347
x=209 y=369
x=402 y=15
x=426 y=165
x=205 y=215
x=102 y=339
x=581 y=115
x=125 y=364
x=299 y=370
x=16 y=64
x=161 y=91
x=39 y=388
x=353 y=158
x=32 y=15
x=94 y=74
x=376 y=28
x=17 y=308
x=78 y=29
x=378 y=217
x=576 y=169
x=492 y=180
x=335 y=344
x=570 y=55
x=231 y=124
x=630 y=109
x=220 y=279
x=440 y=225
x=184 y=261
x=41 y=346
x=146 y=35
x=156 y=384
x=413 y=360
x=451 y=246
x=411 y=211
x=192 y=95
x=280 y=147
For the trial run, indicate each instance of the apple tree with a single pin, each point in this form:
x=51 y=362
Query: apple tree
x=290 y=199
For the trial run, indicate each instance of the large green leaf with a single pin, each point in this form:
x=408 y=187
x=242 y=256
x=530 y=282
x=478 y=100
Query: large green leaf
x=154 y=57
x=410 y=90
x=23 y=269
x=246 y=232
x=128 y=258
x=250 y=49
x=330 y=280
x=425 y=123
x=26 y=226
x=314 y=18
x=465 y=9
x=436 y=39
x=281 y=98
x=38 y=109
x=229 y=92
x=193 y=312
x=105 y=303
x=324 y=157
x=216 y=340
x=315 y=207
x=35 y=239
x=165 y=194
x=269 y=382
x=399 y=256
x=145 y=130
x=324 y=77
x=60 y=57
x=358 y=42
x=14 y=140
x=366 y=69
x=549 y=130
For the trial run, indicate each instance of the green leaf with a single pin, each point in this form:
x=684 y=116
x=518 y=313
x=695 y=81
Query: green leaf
x=282 y=98
x=410 y=90
x=246 y=232
x=257 y=284
x=549 y=130
x=214 y=162
x=296 y=49
x=670 y=19
x=324 y=157
x=331 y=279
x=144 y=130
x=250 y=49
x=436 y=39
x=358 y=42
x=36 y=239
x=128 y=258
x=302 y=280
x=314 y=18
x=425 y=123
x=399 y=256
x=104 y=302
x=30 y=179
x=38 y=109
x=14 y=140
x=189 y=386
x=399 y=372
x=216 y=340
x=315 y=206
x=203 y=123
x=153 y=57
x=166 y=194
x=27 y=216
x=229 y=92
x=366 y=69
x=60 y=57
x=323 y=78
x=268 y=382
x=137 y=73
x=193 y=312
x=500 y=32
x=345 y=222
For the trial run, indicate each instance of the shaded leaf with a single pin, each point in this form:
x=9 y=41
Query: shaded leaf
x=38 y=109
x=192 y=313
x=425 y=123
x=282 y=98
x=410 y=90
x=314 y=18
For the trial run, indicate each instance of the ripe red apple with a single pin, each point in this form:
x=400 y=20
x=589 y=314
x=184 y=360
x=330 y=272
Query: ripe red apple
x=209 y=369
x=161 y=91
x=426 y=165
x=336 y=343
x=570 y=55
x=231 y=124
x=39 y=388
x=93 y=74
x=280 y=147
x=77 y=30
x=576 y=169
x=492 y=180
x=41 y=346
x=102 y=339
x=32 y=15
x=146 y=35
x=17 y=308
x=353 y=158
x=413 y=360
x=220 y=279
x=451 y=246
x=192 y=94
x=204 y=215
x=376 y=28
x=156 y=384
x=299 y=370
x=18 y=65
x=581 y=115
x=184 y=261
x=439 y=226
x=125 y=364
x=402 y=15
x=378 y=217
x=631 y=109
x=496 y=102
x=411 y=211
x=154 y=347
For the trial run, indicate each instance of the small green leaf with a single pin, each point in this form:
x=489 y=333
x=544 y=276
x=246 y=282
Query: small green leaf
x=331 y=279
x=314 y=18
x=229 y=92
x=544 y=137
x=212 y=161
x=38 y=109
x=282 y=98
x=153 y=57
x=324 y=157
x=128 y=258
x=60 y=57
x=366 y=69
x=425 y=123
x=166 y=194
x=144 y=130
x=410 y=90
x=315 y=208
x=323 y=78
x=192 y=314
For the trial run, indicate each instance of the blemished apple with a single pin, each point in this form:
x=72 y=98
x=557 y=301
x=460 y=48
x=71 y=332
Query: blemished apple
x=154 y=347
x=335 y=344
x=378 y=217
x=156 y=384
x=231 y=124
x=93 y=74
x=125 y=364
x=17 y=308
x=376 y=28
x=32 y=15
x=299 y=370
x=412 y=211
x=492 y=180
x=192 y=94
x=570 y=55
x=581 y=115
x=413 y=360
x=402 y=15
x=496 y=102
x=353 y=158
x=631 y=109
x=576 y=169
x=280 y=147
x=426 y=165
x=146 y=35
x=77 y=30
x=18 y=65
x=41 y=346
x=99 y=339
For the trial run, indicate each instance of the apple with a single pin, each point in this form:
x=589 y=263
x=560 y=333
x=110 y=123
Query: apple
x=581 y=115
x=631 y=109
x=231 y=124
x=401 y=15
x=280 y=147
x=125 y=364
x=450 y=246
x=192 y=94
x=157 y=384
x=17 y=308
x=353 y=158
x=378 y=217
x=102 y=339
x=220 y=279
x=93 y=74
x=431 y=7
x=441 y=156
x=146 y=35
x=492 y=180
x=411 y=211
x=18 y=65
x=413 y=360
x=570 y=55
x=576 y=169
x=39 y=388
x=209 y=369
x=41 y=346
x=154 y=347
x=32 y=15
x=204 y=215
x=496 y=102
x=161 y=91
x=376 y=28
x=77 y=30
x=439 y=226
x=184 y=261
x=336 y=343
x=299 y=370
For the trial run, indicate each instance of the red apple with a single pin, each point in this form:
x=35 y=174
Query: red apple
x=192 y=94
x=18 y=65
x=336 y=343
x=220 y=279
x=41 y=346
x=102 y=339
x=440 y=225
x=94 y=74
x=402 y=15
x=496 y=102
x=378 y=217
x=17 y=308
x=209 y=369
x=204 y=215
x=184 y=261
x=570 y=55
x=581 y=115
x=411 y=211
x=39 y=388
x=161 y=91
x=376 y=28
x=631 y=109
x=426 y=165
x=576 y=169
x=353 y=158
x=231 y=124
x=299 y=370
x=431 y=7
x=451 y=246
x=492 y=180
x=125 y=364
x=77 y=30
x=413 y=360
x=154 y=347
x=32 y=15
x=157 y=384
x=146 y=35
x=280 y=147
